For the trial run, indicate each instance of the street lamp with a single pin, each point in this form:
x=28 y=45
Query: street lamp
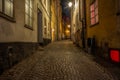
x=68 y=26
x=70 y=4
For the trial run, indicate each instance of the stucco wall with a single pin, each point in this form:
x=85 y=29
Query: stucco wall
x=15 y=31
x=45 y=15
x=106 y=30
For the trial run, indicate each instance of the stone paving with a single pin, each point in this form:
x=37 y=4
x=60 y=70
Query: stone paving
x=59 y=61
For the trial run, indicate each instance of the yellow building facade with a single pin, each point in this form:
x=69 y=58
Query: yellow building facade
x=102 y=17
x=53 y=20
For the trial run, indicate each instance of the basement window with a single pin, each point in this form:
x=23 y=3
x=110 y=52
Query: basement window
x=94 y=13
x=28 y=13
x=6 y=9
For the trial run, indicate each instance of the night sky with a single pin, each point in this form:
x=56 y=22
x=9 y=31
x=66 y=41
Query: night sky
x=65 y=9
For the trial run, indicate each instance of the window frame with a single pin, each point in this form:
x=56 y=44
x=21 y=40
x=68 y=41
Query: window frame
x=95 y=17
x=6 y=16
x=28 y=14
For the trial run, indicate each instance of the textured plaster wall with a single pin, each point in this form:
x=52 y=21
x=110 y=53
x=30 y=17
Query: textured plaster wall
x=15 y=31
x=106 y=30
x=45 y=15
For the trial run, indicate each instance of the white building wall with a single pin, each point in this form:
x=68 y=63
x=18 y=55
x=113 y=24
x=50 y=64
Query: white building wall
x=15 y=31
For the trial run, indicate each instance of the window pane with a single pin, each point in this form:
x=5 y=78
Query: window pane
x=26 y=19
x=0 y=5
x=28 y=13
x=27 y=1
x=96 y=11
x=7 y=7
x=92 y=7
x=92 y=21
x=31 y=13
x=92 y=14
x=97 y=19
x=31 y=22
x=27 y=9
x=11 y=10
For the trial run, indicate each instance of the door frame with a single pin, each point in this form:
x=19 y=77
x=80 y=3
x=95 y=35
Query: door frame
x=40 y=26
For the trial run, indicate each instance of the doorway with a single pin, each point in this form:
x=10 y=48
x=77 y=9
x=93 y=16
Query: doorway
x=40 y=29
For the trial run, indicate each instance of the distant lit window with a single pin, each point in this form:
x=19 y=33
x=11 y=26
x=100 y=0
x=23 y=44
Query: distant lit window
x=45 y=26
x=94 y=12
x=29 y=13
x=45 y=30
x=6 y=7
x=45 y=22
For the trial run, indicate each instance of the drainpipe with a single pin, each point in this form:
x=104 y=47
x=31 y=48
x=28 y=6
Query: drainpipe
x=84 y=25
x=50 y=21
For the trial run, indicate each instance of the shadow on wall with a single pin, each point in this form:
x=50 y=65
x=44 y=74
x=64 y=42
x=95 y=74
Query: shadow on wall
x=12 y=53
x=101 y=50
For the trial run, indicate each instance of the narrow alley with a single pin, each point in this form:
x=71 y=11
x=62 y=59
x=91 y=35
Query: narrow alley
x=58 y=61
x=59 y=39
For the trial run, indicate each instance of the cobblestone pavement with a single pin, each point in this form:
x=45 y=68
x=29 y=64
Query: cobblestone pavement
x=59 y=61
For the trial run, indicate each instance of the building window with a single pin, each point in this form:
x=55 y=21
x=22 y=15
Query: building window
x=45 y=31
x=94 y=13
x=6 y=7
x=0 y=5
x=45 y=22
x=45 y=26
x=29 y=13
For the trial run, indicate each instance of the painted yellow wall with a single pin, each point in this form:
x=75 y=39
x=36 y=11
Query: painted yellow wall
x=106 y=30
x=53 y=20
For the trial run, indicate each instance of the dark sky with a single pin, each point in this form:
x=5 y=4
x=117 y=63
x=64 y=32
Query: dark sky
x=65 y=8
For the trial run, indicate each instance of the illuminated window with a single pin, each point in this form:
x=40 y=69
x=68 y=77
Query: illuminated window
x=28 y=13
x=7 y=7
x=45 y=22
x=45 y=30
x=94 y=12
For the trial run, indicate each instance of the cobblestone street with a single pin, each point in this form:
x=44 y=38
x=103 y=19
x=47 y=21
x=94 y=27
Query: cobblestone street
x=59 y=61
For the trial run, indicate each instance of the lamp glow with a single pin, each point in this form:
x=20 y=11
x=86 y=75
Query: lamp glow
x=70 y=4
x=68 y=26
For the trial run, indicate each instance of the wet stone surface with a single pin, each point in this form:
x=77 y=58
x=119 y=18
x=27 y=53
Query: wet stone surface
x=59 y=61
